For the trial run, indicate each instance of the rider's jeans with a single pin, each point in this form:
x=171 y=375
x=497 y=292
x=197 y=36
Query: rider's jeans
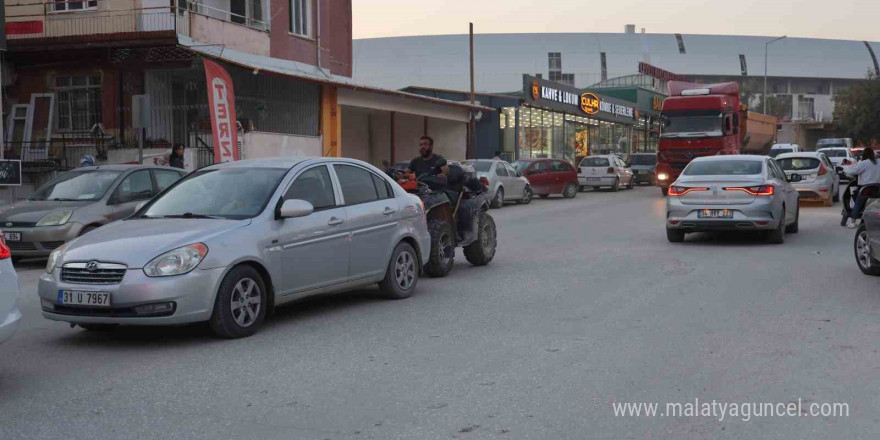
x=860 y=203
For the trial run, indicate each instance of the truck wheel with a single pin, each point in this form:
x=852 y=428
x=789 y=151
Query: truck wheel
x=442 y=248
x=482 y=251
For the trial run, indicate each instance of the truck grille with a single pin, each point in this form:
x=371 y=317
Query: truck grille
x=93 y=273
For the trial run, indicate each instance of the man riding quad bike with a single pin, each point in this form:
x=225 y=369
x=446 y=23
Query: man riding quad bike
x=456 y=207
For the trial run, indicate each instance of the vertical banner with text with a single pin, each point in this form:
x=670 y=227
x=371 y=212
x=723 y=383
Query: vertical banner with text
x=221 y=99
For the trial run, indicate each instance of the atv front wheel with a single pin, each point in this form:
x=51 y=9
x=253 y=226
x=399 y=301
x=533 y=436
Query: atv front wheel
x=442 y=248
x=482 y=251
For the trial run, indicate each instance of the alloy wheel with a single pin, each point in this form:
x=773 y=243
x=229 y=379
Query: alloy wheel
x=246 y=301
x=405 y=270
x=863 y=250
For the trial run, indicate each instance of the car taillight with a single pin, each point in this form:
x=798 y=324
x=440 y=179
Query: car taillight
x=610 y=170
x=763 y=190
x=5 y=252
x=484 y=181
x=845 y=162
x=822 y=170
x=678 y=191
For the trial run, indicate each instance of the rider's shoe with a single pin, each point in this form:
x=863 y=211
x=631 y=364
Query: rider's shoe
x=852 y=224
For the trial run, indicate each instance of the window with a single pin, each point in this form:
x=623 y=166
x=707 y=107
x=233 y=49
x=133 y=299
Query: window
x=165 y=178
x=723 y=168
x=510 y=170
x=594 y=162
x=357 y=184
x=383 y=188
x=798 y=163
x=137 y=186
x=79 y=102
x=314 y=186
x=557 y=166
x=539 y=167
x=301 y=17
x=65 y=5
x=554 y=61
x=480 y=166
x=77 y=185
x=500 y=171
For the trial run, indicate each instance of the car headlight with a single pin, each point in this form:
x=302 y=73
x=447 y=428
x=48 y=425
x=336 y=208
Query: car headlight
x=177 y=262
x=55 y=257
x=55 y=218
x=662 y=176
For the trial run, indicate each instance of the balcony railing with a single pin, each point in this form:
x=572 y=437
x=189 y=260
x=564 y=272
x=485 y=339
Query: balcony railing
x=58 y=154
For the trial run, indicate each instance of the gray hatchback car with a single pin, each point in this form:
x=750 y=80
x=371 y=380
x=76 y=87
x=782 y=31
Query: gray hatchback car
x=229 y=242
x=77 y=202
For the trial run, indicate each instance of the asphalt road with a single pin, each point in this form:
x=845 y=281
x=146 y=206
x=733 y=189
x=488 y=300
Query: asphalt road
x=585 y=305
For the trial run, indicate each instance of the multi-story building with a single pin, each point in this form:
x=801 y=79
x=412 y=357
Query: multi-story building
x=103 y=77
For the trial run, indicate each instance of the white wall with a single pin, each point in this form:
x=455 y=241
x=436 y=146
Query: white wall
x=356 y=134
x=450 y=138
x=380 y=138
x=259 y=145
x=407 y=131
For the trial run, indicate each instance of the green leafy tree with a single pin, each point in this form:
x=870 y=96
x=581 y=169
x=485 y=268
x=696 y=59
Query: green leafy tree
x=857 y=108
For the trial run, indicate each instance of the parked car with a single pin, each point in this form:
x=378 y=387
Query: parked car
x=815 y=179
x=868 y=238
x=80 y=201
x=643 y=167
x=549 y=176
x=778 y=149
x=231 y=241
x=9 y=293
x=735 y=192
x=505 y=184
x=604 y=171
x=841 y=158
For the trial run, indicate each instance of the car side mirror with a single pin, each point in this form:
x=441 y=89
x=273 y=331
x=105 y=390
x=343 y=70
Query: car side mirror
x=294 y=208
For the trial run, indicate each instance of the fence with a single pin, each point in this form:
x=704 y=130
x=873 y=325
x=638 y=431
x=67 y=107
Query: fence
x=58 y=154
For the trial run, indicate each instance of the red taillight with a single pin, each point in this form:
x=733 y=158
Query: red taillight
x=5 y=252
x=484 y=181
x=822 y=170
x=678 y=191
x=610 y=170
x=763 y=190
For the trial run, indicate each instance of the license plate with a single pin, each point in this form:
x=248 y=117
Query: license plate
x=642 y=171
x=714 y=213
x=592 y=179
x=12 y=236
x=83 y=298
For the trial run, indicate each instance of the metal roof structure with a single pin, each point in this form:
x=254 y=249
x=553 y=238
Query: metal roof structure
x=501 y=59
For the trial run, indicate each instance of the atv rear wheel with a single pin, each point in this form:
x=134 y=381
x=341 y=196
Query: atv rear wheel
x=482 y=251
x=442 y=248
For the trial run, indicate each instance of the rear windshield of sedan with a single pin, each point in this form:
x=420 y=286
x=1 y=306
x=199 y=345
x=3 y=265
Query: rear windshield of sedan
x=77 y=185
x=643 y=159
x=777 y=151
x=834 y=152
x=481 y=166
x=233 y=193
x=724 y=168
x=798 y=163
x=594 y=162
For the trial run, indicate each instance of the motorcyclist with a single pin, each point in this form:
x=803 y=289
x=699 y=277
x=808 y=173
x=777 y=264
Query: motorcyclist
x=427 y=162
x=868 y=173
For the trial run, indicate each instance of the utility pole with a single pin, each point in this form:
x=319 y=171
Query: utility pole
x=764 y=95
x=472 y=129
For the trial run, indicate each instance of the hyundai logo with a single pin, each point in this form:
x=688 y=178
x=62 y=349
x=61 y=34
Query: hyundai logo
x=92 y=266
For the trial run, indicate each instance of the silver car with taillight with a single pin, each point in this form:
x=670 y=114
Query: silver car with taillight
x=812 y=175
x=736 y=192
x=229 y=242
x=505 y=184
x=606 y=170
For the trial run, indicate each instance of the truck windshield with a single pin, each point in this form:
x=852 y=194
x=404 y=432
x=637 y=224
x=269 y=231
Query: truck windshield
x=692 y=124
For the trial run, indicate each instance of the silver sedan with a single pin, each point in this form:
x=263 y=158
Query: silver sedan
x=504 y=182
x=737 y=192
x=9 y=293
x=230 y=242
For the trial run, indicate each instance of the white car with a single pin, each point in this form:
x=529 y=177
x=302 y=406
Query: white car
x=504 y=182
x=841 y=157
x=816 y=179
x=778 y=149
x=604 y=171
x=9 y=292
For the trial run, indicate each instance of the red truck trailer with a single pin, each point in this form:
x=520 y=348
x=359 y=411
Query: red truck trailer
x=707 y=120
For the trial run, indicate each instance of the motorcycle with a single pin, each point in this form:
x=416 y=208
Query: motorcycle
x=850 y=194
x=456 y=207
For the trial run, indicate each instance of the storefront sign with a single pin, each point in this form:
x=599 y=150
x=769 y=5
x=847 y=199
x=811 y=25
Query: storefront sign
x=575 y=101
x=221 y=100
x=10 y=172
x=656 y=72
x=589 y=103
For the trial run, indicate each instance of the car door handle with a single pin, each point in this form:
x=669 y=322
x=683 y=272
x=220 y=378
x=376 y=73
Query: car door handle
x=335 y=221
x=388 y=211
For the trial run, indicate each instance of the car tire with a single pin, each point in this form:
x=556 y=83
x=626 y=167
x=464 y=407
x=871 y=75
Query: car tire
x=482 y=251
x=527 y=196
x=836 y=196
x=498 y=201
x=570 y=190
x=442 y=249
x=582 y=188
x=402 y=274
x=674 y=235
x=665 y=191
x=630 y=184
x=616 y=186
x=777 y=236
x=793 y=228
x=99 y=328
x=238 y=286
x=862 y=248
x=828 y=202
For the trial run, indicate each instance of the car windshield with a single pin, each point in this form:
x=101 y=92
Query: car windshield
x=77 y=185
x=822 y=145
x=798 y=163
x=594 y=162
x=723 y=168
x=521 y=165
x=834 y=152
x=692 y=124
x=643 y=159
x=777 y=151
x=480 y=166
x=233 y=193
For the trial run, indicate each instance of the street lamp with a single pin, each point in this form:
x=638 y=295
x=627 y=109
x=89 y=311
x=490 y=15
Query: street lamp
x=764 y=95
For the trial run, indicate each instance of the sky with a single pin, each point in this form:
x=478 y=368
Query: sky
x=835 y=19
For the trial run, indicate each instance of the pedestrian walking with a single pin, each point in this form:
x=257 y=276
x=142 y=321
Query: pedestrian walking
x=176 y=157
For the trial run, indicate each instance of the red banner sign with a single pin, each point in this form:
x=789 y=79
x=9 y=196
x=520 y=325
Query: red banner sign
x=221 y=99
x=656 y=72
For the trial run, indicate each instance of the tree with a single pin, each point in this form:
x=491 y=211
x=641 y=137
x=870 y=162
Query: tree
x=857 y=108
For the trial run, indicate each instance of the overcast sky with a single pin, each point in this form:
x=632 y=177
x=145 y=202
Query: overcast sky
x=838 y=19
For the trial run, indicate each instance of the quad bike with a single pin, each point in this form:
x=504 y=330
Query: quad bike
x=456 y=206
